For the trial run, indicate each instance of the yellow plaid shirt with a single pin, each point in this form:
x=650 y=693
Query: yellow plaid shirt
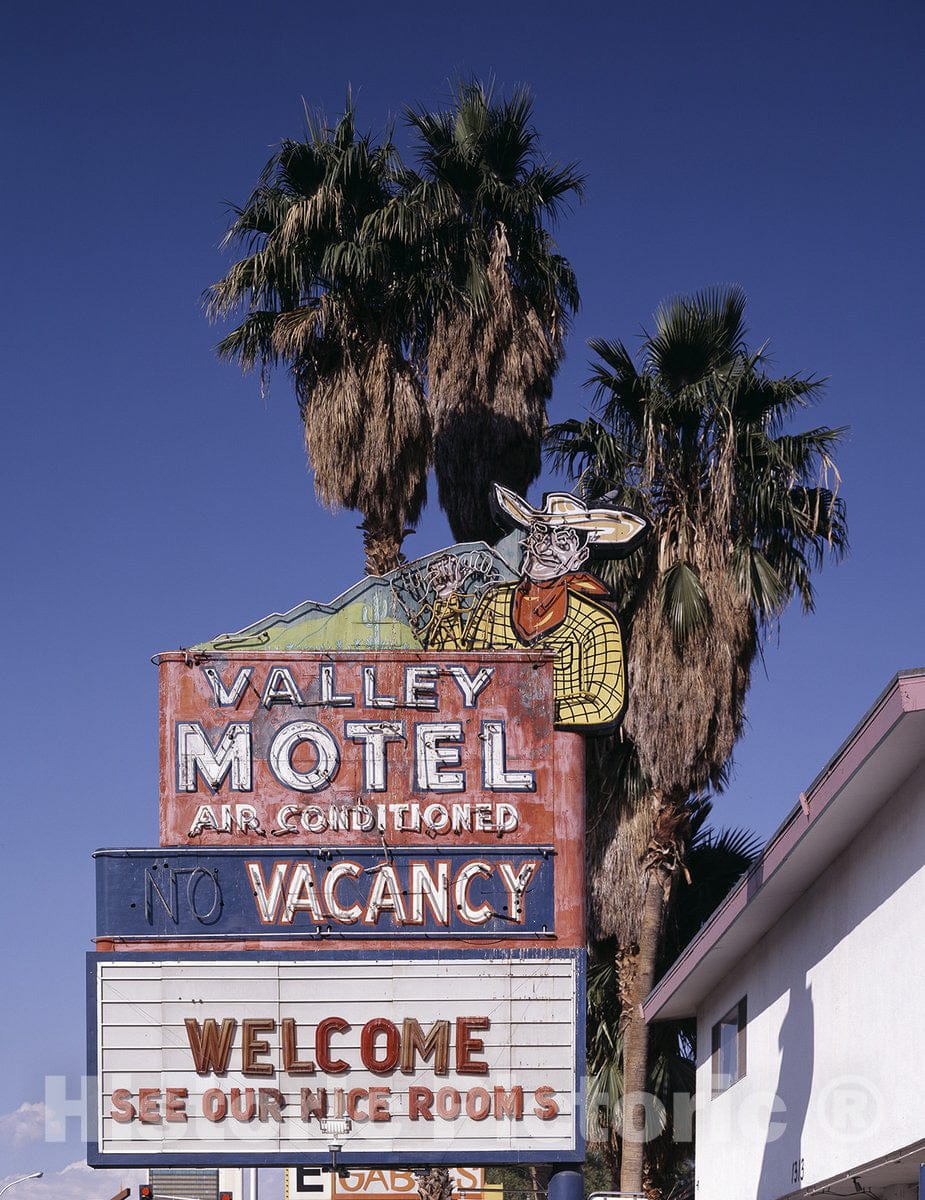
x=588 y=672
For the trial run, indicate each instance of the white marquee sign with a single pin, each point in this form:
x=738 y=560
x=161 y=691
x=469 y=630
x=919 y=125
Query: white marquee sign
x=432 y=1055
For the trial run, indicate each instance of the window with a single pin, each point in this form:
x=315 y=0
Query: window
x=729 y=1048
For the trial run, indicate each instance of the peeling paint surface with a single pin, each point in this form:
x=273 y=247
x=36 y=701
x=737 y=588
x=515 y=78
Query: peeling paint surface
x=376 y=752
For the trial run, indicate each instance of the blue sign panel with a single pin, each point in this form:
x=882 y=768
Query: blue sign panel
x=401 y=892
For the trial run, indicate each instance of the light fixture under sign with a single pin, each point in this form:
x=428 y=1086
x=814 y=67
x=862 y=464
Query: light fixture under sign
x=335 y=1127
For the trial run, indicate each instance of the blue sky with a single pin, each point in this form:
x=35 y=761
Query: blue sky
x=152 y=499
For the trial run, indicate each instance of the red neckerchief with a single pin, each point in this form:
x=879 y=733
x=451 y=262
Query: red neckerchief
x=539 y=608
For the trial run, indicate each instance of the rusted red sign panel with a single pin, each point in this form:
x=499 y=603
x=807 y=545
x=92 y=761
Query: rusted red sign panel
x=384 y=750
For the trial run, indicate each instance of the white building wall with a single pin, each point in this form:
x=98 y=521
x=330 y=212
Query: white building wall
x=836 y=1024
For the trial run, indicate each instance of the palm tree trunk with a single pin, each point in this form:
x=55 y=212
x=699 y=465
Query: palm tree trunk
x=434 y=1183
x=636 y=1034
x=382 y=546
x=627 y=964
x=612 y=1159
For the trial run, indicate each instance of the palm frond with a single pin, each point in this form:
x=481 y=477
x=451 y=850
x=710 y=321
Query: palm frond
x=477 y=212
x=684 y=601
x=744 y=512
x=326 y=289
x=757 y=580
x=252 y=342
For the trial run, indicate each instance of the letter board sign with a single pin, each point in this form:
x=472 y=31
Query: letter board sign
x=433 y=1055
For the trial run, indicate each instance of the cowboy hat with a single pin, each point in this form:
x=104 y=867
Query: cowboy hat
x=612 y=532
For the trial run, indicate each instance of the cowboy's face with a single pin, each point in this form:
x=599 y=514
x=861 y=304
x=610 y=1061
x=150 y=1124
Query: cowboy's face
x=551 y=551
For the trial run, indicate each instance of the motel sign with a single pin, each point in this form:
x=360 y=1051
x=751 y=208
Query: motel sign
x=367 y=903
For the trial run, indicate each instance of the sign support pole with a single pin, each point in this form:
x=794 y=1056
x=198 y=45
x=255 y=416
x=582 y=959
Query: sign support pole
x=566 y=1183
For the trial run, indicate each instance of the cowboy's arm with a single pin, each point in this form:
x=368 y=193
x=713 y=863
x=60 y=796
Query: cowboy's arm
x=449 y=630
x=602 y=685
x=445 y=628
x=477 y=634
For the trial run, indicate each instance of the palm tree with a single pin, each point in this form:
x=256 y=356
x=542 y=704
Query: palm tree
x=434 y=1183
x=715 y=861
x=499 y=296
x=742 y=513
x=336 y=304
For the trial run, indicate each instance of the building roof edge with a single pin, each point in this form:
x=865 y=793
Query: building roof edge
x=904 y=694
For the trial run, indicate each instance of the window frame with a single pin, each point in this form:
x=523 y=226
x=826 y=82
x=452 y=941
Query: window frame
x=737 y=1015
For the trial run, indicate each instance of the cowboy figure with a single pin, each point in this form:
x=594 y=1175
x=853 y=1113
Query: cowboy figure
x=554 y=605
